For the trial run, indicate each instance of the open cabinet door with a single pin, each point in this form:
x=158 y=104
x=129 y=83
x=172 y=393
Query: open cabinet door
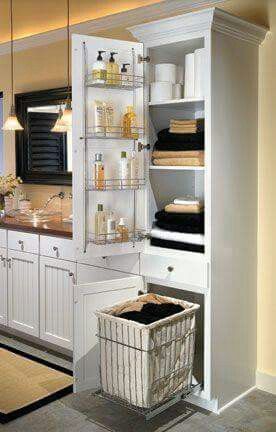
x=103 y=133
x=87 y=299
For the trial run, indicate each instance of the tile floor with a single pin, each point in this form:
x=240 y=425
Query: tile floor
x=86 y=413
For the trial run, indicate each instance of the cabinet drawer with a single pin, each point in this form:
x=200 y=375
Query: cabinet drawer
x=3 y=238
x=22 y=241
x=56 y=247
x=173 y=269
x=128 y=263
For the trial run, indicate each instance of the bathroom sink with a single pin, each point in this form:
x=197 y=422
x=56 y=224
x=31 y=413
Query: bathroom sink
x=36 y=215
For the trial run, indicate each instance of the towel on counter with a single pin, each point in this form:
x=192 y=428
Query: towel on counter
x=176 y=245
x=184 y=208
x=198 y=161
x=177 y=154
x=176 y=236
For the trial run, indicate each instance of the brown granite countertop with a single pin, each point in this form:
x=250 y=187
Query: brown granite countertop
x=53 y=228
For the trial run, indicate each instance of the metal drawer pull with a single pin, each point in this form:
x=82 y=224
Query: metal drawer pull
x=170 y=269
x=3 y=260
x=9 y=260
x=55 y=249
x=73 y=277
x=21 y=243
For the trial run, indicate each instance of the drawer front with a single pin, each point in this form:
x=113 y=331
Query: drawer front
x=56 y=247
x=128 y=263
x=3 y=238
x=173 y=269
x=22 y=241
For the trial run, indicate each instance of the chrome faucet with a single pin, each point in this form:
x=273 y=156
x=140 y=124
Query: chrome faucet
x=60 y=195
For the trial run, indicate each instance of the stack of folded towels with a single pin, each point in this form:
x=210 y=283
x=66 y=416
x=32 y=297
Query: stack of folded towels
x=180 y=145
x=180 y=225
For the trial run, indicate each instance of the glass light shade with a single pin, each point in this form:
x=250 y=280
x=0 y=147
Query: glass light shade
x=12 y=123
x=59 y=126
x=66 y=118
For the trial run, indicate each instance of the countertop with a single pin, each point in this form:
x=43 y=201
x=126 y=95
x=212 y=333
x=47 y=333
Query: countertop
x=53 y=228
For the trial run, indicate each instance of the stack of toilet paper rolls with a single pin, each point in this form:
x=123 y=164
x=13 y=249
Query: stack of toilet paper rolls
x=195 y=74
x=168 y=82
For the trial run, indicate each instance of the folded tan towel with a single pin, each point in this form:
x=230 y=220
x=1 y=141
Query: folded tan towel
x=182 y=130
x=197 y=161
x=177 y=154
x=184 y=208
x=191 y=122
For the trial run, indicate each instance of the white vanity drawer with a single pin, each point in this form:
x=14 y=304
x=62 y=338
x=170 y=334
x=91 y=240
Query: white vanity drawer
x=56 y=247
x=3 y=238
x=23 y=241
x=128 y=263
x=174 y=269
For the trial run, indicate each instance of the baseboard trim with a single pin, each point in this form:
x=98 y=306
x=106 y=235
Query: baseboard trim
x=266 y=382
x=236 y=399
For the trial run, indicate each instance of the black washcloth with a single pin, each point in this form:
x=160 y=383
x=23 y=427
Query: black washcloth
x=152 y=312
x=180 y=222
x=179 y=142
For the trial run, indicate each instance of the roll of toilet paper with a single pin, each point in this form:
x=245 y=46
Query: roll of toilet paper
x=199 y=72
x=189 y=85
x=165 y=72
x=160 y=91
x=177 y=91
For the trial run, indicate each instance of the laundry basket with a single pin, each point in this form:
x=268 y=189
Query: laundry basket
x=145 y=365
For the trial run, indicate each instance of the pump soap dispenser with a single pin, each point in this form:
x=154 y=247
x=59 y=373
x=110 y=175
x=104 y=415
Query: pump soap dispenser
x=99 y=70
x=113 y=77
x=125 y=76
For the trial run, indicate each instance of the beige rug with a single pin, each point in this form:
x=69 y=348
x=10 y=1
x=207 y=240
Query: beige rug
x=26 y=384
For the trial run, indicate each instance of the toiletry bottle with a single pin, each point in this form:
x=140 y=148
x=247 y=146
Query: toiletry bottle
x=100 y=224
x=125 y=76
x=99 y=70
x=129 y=124
x=111 y=229
x=122 y=231
x=112 y=71
x=99 y=172
x=124 y=171
x=133 y=170
x=109 y=119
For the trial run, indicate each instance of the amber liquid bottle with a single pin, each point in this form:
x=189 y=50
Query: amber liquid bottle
x=129 y=124
x=99 y=172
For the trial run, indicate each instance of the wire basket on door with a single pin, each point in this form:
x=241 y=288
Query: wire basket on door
x=146 y=365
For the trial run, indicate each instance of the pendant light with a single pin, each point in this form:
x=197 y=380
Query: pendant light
x=12 y=123
x=66 y=117
x=59 y=127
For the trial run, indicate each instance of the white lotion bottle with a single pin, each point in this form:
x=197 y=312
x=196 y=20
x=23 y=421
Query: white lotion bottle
x=124 y=171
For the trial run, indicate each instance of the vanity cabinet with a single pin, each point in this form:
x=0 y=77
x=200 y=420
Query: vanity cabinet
x=56 y=301
x=3 y=286
x=23 y=292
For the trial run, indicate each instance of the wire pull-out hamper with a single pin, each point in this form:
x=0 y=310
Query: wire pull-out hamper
x=146 y=365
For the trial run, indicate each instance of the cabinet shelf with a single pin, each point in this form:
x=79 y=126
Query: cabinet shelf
x=193 y=103
x=113 y=132
x=120 y=82
x=176 y=168
x=105 y=239
x=115 y=185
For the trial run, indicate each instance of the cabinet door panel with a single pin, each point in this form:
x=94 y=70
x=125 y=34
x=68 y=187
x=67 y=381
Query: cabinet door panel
x=87 y=299
x=23 y=288
x=56 y=301
x=3 y=286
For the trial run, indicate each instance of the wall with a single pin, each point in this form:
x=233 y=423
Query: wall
x=44 y=68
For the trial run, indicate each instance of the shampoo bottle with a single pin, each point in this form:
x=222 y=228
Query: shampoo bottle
x=122 y=231
x=124 y=171
x=129 y=124
x=113 y=77
x=100 y=224
x=99 y=70
x=99 y=172
x=125 y=77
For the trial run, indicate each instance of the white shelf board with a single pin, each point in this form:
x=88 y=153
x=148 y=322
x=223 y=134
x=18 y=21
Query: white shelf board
x=177 y=168
x=194 y=103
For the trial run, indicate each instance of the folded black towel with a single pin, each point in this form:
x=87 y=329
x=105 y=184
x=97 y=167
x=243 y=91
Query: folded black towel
x=180 y=222
x=179 y=142
x=181 y=228
x=152 y=312
x=169 y=244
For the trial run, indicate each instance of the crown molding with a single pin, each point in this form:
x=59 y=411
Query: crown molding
x=122 y=19
x=198 y=22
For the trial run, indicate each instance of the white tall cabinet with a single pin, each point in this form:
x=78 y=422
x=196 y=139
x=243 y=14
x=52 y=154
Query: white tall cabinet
x=225 y=274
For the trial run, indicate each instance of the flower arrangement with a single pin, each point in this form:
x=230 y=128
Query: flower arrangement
x=8 y=184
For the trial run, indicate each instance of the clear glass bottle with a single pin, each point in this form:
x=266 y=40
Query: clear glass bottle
x=130 y=124
x=122 y=231
x=99 y=172
x=100 y=224
x=133 y=170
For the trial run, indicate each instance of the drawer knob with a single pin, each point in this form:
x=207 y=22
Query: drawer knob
x=170 y=269
x=55 y=249
x=21 y=243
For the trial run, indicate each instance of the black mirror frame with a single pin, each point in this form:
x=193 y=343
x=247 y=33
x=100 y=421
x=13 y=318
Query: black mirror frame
x=22 y=102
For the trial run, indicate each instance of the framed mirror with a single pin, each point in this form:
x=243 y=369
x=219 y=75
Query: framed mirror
x=42 y=156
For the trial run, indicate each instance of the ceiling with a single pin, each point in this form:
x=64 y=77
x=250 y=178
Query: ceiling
x=35 y=16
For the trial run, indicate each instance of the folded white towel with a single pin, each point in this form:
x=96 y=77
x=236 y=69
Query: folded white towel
x=187 y=200
x=176 y=236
